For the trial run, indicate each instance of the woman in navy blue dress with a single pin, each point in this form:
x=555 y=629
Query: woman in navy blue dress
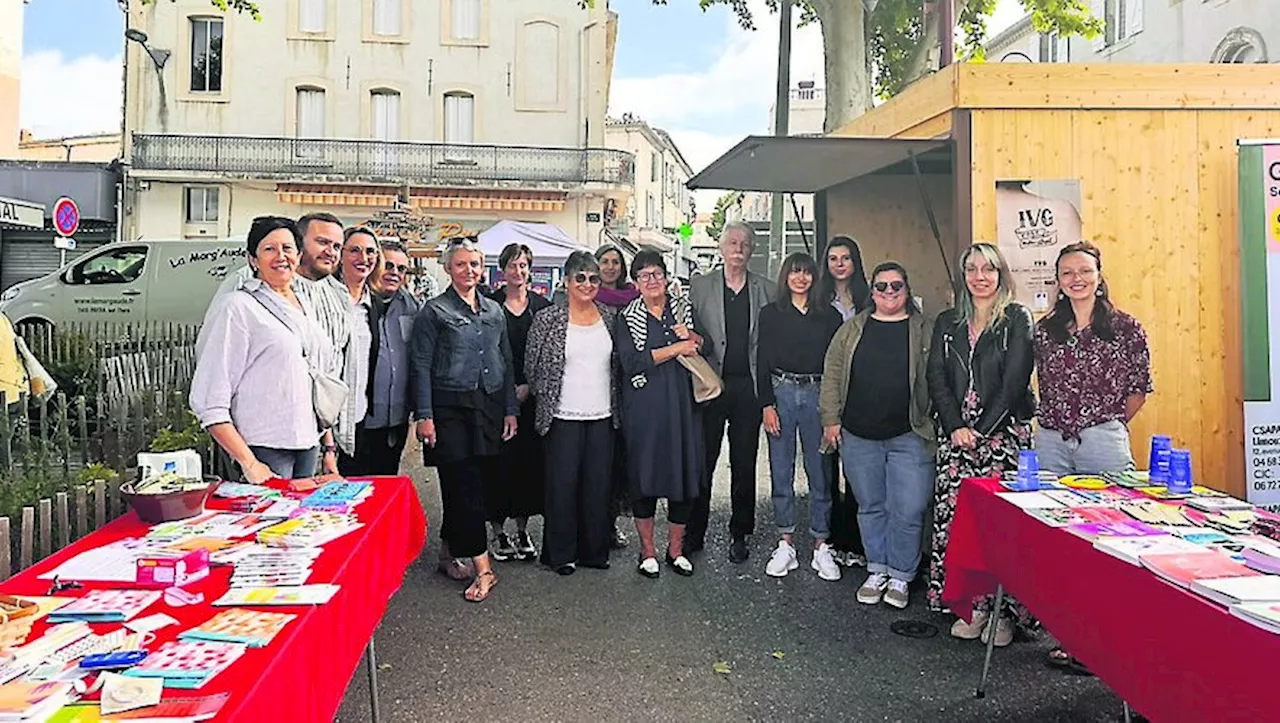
x=661 y=424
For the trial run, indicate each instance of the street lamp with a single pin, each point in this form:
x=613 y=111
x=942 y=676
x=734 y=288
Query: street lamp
x=159 y=57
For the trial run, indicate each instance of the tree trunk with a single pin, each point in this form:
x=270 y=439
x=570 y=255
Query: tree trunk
x=848 y=92
x=923 y=60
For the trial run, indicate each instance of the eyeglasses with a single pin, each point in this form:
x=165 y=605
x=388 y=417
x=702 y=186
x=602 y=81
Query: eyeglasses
x=885 y=287
x=400 y=268
x=651 y=275
x=459 y=240
x=583 y=277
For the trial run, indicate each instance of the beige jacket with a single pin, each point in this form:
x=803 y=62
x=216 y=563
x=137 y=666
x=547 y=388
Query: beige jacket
x=837 y=368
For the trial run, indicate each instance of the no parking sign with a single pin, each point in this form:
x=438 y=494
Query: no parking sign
x=66 y=217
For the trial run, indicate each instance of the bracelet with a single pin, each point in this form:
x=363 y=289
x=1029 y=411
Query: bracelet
x=331 y=449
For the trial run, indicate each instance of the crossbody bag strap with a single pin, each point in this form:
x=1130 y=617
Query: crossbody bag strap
x=302 y=342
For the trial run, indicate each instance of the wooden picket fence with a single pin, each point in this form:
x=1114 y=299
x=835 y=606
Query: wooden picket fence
x=62 y=459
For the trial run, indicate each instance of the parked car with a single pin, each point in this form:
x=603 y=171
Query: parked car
x=129 y=282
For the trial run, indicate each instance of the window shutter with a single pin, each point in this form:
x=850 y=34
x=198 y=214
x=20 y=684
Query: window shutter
x=1133 y=17
x=466 y=19
x=386 y=116
x=386 y=17
x=459 y=119
x=310 y=113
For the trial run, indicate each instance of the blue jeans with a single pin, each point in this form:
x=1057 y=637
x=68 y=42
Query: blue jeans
x=289 y=463
x=797 y=406
x=893 y=481
x=1101 y=448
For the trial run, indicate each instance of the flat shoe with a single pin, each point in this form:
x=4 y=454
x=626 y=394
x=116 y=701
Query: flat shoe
x=680 y=564
x=648 y=567
x=568 y=569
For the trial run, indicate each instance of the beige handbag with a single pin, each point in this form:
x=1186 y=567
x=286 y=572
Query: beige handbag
x=707 y=385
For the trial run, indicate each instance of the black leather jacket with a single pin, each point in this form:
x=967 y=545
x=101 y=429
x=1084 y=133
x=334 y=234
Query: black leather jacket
x=1001 y=369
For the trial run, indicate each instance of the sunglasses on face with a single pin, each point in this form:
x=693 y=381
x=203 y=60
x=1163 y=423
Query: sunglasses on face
x=885 y=287
x=583 y=277
x=399 y=268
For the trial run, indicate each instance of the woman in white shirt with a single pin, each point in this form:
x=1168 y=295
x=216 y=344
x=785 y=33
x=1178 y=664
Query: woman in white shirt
x=252 y=384
x=570 y=366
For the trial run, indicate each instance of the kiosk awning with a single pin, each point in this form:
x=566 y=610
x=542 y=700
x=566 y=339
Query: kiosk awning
x=807 y=164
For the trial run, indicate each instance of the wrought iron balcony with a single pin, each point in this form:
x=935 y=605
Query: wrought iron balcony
x=386 y=161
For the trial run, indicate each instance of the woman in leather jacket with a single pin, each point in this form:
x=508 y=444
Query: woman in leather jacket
x=980 y=366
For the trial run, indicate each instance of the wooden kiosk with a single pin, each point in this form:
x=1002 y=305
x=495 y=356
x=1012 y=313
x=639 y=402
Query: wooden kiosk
x=1154 y=148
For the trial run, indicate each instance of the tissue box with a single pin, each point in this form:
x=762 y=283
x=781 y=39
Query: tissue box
x=173 y=571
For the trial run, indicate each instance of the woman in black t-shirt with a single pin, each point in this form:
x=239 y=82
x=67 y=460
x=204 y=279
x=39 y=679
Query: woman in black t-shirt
x=875 y=404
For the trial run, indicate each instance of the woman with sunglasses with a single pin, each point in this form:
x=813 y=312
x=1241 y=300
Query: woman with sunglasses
x=357 y=266
x=570 y=367
x=386 y=426
x=464 y=396
x=795 y=331
x=661 y=425
x=875 y=406
x=514 y=487
x=1094 y=369
x=616 y=290
x=254 y=356
x=844 y=287
x=980 y=381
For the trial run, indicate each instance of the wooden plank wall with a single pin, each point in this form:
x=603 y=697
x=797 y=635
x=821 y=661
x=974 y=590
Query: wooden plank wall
x=1159 y=191
x=887 y=217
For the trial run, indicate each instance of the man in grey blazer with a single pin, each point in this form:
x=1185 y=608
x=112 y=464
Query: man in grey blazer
x=726 y=307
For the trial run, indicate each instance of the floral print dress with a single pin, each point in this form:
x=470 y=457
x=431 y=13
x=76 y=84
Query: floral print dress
x=991 y=457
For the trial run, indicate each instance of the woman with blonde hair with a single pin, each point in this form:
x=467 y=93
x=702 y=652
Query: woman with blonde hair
x=980 y=381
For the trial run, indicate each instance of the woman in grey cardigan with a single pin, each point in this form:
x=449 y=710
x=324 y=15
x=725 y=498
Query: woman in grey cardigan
x=570 y=365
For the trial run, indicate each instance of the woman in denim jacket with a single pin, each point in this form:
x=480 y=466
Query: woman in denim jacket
x=465 y=403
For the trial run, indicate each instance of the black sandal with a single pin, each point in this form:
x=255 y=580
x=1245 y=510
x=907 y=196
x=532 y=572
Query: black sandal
x=1064 y=661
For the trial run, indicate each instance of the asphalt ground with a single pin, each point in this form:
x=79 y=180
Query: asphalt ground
x=728 y=644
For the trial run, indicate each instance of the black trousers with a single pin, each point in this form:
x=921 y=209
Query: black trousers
x=845 y=534
x=576 y=522
x=462 y=497
x=677 y=512
x=378 y=452
x=740 y=409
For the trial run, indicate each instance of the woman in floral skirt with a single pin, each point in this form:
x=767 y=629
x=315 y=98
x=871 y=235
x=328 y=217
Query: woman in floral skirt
x=980 y=366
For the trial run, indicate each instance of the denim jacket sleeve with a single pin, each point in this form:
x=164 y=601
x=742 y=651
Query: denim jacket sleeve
x=422 y=350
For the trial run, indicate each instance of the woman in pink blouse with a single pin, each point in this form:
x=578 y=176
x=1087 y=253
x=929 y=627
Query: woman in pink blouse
x=1094 y=369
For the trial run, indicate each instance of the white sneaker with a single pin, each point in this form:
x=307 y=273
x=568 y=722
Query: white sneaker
x=970 y=631
x=1004 y=632
x=824 y=564
x=873 y=589
x=897 y=594
x=783 y=560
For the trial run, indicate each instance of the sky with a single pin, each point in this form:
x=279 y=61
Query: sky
x=695 y=74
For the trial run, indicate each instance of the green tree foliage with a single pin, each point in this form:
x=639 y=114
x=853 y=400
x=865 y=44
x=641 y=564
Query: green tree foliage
x=240 y=6
x=717 y=215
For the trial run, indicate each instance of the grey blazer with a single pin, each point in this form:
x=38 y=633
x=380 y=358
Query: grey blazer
x=707 y=294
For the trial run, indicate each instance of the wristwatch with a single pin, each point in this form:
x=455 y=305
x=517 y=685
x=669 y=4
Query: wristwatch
x=331 y=448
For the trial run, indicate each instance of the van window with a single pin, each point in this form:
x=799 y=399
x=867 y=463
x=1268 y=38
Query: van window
x=119 y=266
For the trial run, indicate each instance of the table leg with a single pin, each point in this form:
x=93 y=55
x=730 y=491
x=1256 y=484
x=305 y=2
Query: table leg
x=371 y=659
x=991 y=640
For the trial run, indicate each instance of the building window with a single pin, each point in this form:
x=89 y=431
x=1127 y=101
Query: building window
x=654 y=166
x=650 y=211
x=386 y=17
x=1053 y=49
x=465 y=23
x=538 y=59
x=1242 y=45
x=311 y=15
x=310 y=118
x=459 y=118
x=385 y=107
x=206 y=55
x=202 y=204
x=1122 y=18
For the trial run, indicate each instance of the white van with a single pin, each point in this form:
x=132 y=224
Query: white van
x=129 y=282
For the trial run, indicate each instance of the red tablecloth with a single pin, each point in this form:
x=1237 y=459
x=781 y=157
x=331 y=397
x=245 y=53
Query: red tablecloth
x=1171 y=654
x=303 y=674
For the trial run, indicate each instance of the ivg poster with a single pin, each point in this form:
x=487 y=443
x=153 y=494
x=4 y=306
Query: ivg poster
x=1033 y=220
x=1260 y=297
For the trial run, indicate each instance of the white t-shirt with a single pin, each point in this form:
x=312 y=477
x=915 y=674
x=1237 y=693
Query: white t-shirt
x=584 y=393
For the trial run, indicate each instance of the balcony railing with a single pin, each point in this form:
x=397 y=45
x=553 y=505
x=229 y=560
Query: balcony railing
x=397 y=161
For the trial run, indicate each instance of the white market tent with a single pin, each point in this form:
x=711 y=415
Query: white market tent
x=550 y=245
